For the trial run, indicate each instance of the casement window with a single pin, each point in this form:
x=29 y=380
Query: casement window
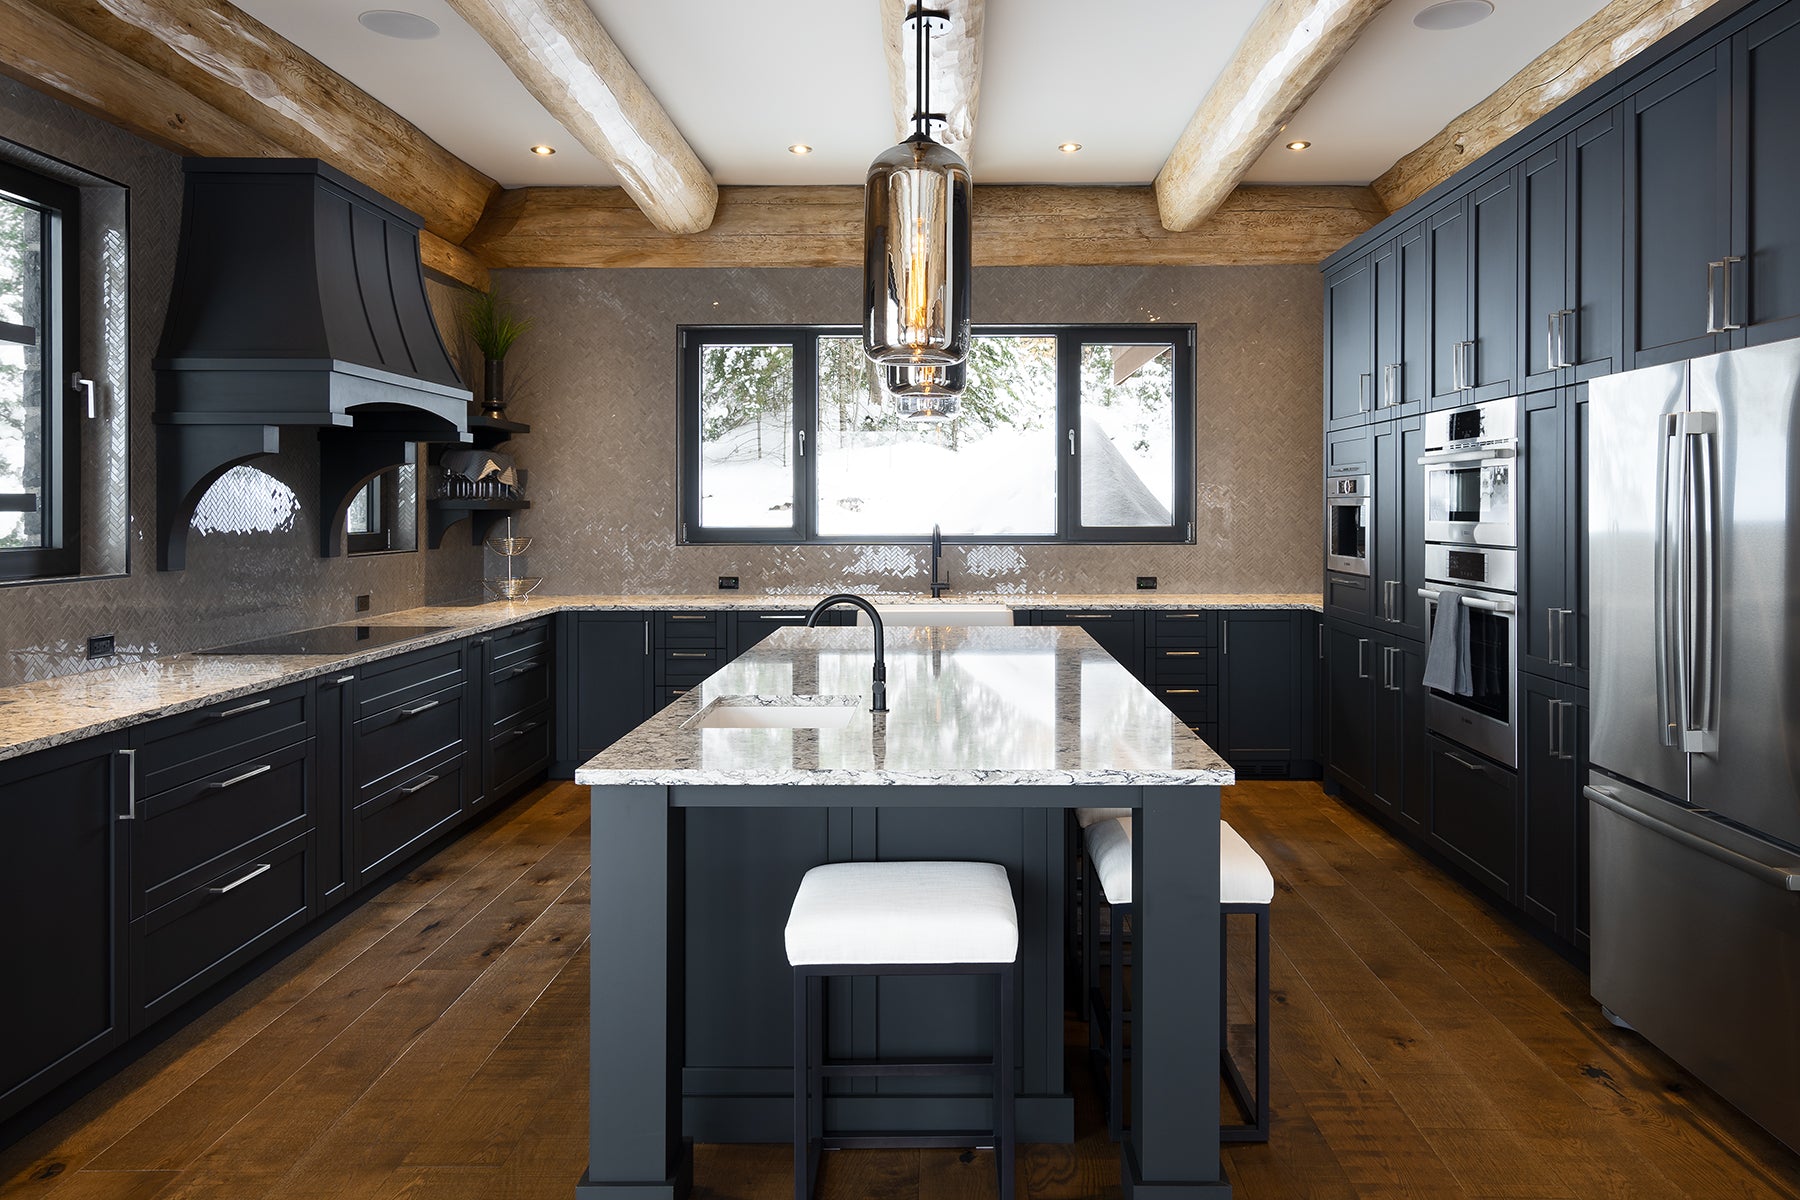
x=383 y=515
x=40 y=522
x=1068 y=433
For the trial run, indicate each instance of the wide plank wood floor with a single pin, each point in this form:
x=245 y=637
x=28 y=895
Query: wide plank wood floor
x=433 y=1044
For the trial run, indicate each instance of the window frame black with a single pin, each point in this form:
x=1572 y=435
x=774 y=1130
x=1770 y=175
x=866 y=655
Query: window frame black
x=60 y=498
x=803 y=529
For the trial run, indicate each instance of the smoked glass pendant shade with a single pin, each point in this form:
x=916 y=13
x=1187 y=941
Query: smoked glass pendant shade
x=916 y=256
x=927 y=393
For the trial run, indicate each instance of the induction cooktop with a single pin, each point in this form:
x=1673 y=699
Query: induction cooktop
x=329 y=639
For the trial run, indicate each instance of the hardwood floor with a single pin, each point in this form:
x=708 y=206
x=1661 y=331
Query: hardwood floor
x=433 y=1044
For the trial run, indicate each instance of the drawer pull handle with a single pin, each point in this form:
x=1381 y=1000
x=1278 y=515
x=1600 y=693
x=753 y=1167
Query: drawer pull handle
x=522 y=730
x=419 y=786
x=244 y=708
x=239 y=882
x=252 y=773
x=1180 y=616
x=1181 y=691
x=689 y=617
x=130 y=813
x=784 y=616
x=1460 y=761
x=1092 y=616
x=425 y=707
x=526 y=669
x=690 y=654
x=343 y=679
x=1181 y=654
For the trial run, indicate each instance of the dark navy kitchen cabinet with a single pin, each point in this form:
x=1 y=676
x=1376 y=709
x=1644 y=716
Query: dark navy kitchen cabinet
x=1398 y=561
x=607 y=681
x=517 y=669
x=1119 y=631
x=1474 y=816
x=1553 y=598
x=1350 y=683
x=1473 y=245
x=1553 y=768
x=64 y=880
x=1573 y=195
x=1375 y=719
x=1260 y=668
x=1766 y=155
x=1350 y=344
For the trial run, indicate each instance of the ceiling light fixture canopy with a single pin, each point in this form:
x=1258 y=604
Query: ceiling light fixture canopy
x=916 y=270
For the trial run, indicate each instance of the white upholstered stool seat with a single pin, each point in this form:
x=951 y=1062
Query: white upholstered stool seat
x=903 y=912
x=1243 y=876
x=1087 y=817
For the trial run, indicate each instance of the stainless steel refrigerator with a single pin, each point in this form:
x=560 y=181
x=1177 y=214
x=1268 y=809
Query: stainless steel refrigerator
x=1694 y=795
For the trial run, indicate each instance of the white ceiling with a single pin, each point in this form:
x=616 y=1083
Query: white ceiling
x=744 y=80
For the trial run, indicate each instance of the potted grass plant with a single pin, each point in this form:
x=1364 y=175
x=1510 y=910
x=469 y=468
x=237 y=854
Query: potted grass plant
x=493 y=327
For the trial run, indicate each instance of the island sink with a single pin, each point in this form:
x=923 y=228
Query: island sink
x=776 y=712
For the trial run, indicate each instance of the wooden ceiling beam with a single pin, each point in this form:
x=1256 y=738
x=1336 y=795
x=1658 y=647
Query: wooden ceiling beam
x=1013 y=226
x=954 y=61
x=560 y=52
x=286 y=98
x=1593 y=49
x=1287 y=52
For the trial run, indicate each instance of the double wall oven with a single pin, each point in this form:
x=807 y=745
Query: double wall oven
x=1472 y=483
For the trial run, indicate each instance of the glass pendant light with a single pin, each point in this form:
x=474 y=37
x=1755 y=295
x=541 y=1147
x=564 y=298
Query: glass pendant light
x=916 y=240
x=927 y=394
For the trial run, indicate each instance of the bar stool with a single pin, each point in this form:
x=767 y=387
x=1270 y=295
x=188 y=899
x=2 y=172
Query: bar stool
x=1246 y=888
x=898 y=918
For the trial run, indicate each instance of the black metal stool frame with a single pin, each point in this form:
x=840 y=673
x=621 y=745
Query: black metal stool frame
x=811 y=1070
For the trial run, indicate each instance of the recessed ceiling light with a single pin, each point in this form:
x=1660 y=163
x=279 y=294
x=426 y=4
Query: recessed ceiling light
x=799 y=148
x=1453 y=14
x=1069 y=147
x=391 y=22
x=1298 y=145
x=543 y=151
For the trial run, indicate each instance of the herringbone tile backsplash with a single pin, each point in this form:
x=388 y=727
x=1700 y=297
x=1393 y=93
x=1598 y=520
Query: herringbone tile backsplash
x=595 y=377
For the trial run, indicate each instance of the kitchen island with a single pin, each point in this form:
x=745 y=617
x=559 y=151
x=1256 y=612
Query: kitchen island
x=706 y=816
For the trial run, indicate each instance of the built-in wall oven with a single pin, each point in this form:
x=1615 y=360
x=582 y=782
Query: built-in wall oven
x=1471 y=468
x=1347 y=520
x=1486 y=583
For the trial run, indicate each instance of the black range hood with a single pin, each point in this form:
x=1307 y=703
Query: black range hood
x=299 y=302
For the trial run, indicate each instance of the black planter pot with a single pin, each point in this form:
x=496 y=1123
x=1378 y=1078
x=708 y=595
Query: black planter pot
x=494 y=388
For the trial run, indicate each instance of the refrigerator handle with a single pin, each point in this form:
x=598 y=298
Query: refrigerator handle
x=1664 y=613
x=1701 y=583
x=1784 y=875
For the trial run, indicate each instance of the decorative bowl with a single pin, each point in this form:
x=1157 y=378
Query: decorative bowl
x=509 y=546
x=512 y=589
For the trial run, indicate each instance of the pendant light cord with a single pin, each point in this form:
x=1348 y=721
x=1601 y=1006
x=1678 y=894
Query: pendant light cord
x=922 y=89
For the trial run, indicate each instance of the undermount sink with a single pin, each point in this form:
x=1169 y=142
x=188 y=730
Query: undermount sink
x=940 y=614
x=777 y=712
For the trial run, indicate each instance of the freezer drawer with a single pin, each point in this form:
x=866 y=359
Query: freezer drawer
x=1696 y=945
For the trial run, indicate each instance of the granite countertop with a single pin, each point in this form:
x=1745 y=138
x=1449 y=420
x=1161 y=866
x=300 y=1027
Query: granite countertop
x=986 y=705
x=55 y=712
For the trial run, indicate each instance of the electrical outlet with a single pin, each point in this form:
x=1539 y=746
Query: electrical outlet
x=103 y=646
x=728 y=583
x=362 y=604
x=1146 y=583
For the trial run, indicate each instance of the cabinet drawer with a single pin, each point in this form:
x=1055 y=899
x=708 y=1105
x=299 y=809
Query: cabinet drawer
x=677 y=665
x=393 y=742
x=666 y=696
x=406 y=815
x=184 y=835
x=1186 y=629
x=1348 y=596
x=190 y=745
x=1196 y=704
x=514 y=689
x=1474 y=815
x=690 y=629
x=1183 y=665
x=405 y=681
x=518 y=644
x=195 y=940
x=518 y=752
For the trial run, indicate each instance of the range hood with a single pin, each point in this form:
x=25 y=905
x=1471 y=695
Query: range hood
x=299 y=303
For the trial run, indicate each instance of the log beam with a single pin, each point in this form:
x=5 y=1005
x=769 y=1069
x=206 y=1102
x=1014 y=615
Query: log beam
x=1013 y=226
x=449 y=259
x=955 y=65
x=560 y=52
x=1288 y=51
x=286 y=98
x=1603 y=42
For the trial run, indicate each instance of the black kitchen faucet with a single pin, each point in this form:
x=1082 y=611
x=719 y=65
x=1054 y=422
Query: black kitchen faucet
x=879 y=698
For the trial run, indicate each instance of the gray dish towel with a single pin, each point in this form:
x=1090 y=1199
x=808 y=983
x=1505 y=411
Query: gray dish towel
x=1447 y=658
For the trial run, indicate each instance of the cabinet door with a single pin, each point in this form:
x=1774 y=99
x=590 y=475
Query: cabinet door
x=1546 y=526
x=1575 y=537
x=1447 y=250
x=1258 y=706
x=1400 y=777
x=1350 y=343
x=1474 y=816
x=62 y=885
x=1387 y=285
x=1544 y=198
x=1766 y=287
x=1414 y=375
x=606 y=683
x=1590 y=337
x=1552 y=806
x=1678 y=172
x=1350 y=682
x=1399 y=557
x=1118 y=632
x=1491 y=365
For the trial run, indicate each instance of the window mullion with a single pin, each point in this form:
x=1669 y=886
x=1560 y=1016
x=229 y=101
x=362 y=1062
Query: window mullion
x=1068 y=439
x=806 y=424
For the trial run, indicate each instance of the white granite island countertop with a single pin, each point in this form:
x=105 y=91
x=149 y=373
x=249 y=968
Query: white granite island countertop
x=991 y=705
